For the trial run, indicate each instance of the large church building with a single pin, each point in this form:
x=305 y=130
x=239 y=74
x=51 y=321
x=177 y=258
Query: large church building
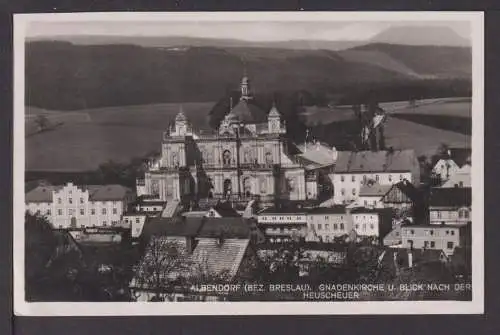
x=248 y=155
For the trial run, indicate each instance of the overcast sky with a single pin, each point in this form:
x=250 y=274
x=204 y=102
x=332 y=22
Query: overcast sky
x=249 y=31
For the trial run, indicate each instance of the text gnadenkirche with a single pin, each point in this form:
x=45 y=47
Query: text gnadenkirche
x=329 y=290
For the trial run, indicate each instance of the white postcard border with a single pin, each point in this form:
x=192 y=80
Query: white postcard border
x=476 y=306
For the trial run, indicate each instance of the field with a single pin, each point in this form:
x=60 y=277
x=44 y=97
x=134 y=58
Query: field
x=87 y=138
x=115 y=133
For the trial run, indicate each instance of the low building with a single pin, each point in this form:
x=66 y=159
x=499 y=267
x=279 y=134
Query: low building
x=371 y=194
x=450 y=206
x=371 y=222
x=445 y=237
x=281 y=224
x=448 y=164
x=324 y=224
x=76 y=207
x=461 y=178
x=135 y=222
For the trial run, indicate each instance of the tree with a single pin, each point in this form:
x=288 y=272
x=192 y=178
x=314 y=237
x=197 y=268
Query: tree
x=164 y=264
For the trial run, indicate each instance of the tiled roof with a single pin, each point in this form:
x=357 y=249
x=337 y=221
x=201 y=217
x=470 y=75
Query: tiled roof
x=376 y=161
x=226 y=227
x=374 y=190
x=223 y=256
x=450 y=197
x=159 y=226
x=96 y=193
x=338 y=209
x=41 y=194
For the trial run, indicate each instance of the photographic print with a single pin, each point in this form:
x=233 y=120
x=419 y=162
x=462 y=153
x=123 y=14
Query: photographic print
x=248 y=163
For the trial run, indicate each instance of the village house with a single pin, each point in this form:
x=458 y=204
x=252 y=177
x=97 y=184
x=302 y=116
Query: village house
x=450 y=206
x=355 y=169
x=371 y=222
x=461 y=178
x=443 y=237
x=282 y=224
x=324 y=224
x=450 y=163
x=75 y=207
x=211 y=249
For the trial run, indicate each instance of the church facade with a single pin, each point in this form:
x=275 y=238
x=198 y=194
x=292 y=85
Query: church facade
x=243 y=159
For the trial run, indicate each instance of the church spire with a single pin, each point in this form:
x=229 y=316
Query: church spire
x=245 y=84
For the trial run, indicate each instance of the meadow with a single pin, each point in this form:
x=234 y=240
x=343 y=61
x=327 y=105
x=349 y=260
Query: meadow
x=87 y=138
x=113 y=133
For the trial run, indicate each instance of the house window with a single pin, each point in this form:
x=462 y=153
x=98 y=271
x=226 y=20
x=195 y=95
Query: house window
x=48 y=212
x=319 y=226
x=390 y=178
x=449 y=245
x=342 y=178
x=357 y=226
x=353 y=178
x=70 y=200
x=104 y=211
x=137 y=220
x=115 y=211
x=438 y=214
x=400 y=177
x=426 y=244
x=433 y=244
x=447 y=232
x=353 y=191
x=342 y=226
x=104 y=223
x=466 y=214
x=82 y=211
x=412 y=232
x=376 y=177
x=335 y=226
x=461 y=184
x=326 y=217
x=364 y=179
x=59 y=212
x=432 y=232
x=372 y=226
x=70 y=212
x=452 y=232
x=81 y=200
x=59 y=201
x=366 y=202
x=92 y=211
x=342 y=191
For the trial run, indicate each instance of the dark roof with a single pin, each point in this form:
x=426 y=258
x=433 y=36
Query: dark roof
x=450 y=197
x=337 y=209
x=226 y=227
x=376 y=161
x=225 y=209
x=96 y=193
x=176 y=226
x=283 y=210
x=407 y=188
x=248 y=113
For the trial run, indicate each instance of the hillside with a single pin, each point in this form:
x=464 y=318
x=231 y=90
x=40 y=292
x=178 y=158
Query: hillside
x=421 y=35
x=65 y=76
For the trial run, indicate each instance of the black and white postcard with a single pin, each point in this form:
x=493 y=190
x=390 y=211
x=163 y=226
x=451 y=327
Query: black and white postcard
x=248 y=163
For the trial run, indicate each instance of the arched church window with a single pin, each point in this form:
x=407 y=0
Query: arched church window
x=290 y=182
x=247 y=156
x=155 y=187
x=247 y=186
x=226 y=158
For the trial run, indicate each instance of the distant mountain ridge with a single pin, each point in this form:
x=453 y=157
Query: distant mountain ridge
x=67 y=76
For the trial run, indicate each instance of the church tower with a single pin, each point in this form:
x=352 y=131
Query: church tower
x=245 y=87
x=274 y=120
x=181 y=124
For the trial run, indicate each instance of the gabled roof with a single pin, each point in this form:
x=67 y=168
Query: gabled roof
x=217 y=257
x=407 y=188
x=451 y=197
x=160 y=226
x=225 y=227
x=376 y=161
